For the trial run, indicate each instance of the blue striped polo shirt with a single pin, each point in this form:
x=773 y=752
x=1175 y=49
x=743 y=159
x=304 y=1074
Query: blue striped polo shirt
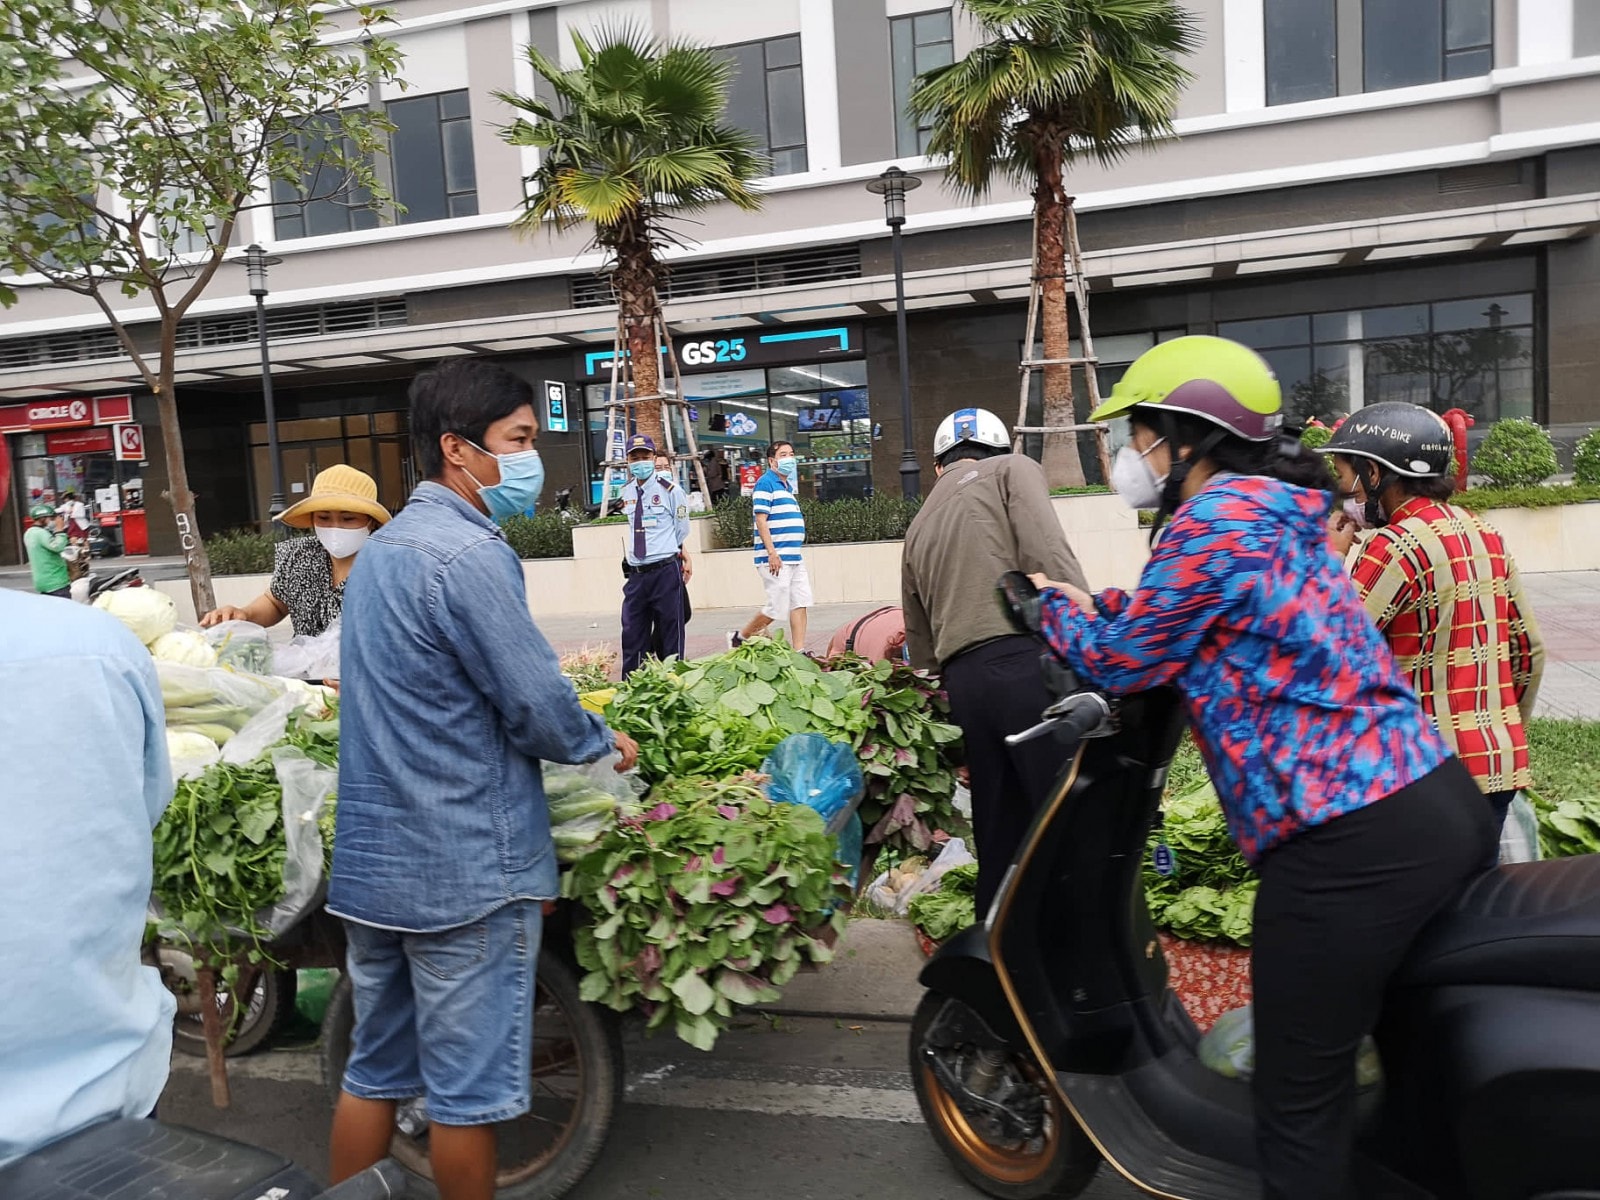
x=784 y=519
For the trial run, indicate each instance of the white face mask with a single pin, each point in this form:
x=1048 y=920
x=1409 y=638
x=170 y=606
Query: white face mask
x=340 y=542
x=1134 y=481
x=1356 y=510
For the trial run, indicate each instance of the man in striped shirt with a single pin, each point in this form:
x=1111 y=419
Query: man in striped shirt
x=1444 y=590
x=780 y=534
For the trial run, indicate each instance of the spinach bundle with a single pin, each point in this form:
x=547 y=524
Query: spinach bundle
x=1211 y=891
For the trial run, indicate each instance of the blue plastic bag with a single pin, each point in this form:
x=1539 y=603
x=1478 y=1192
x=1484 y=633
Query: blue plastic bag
x=810 y=770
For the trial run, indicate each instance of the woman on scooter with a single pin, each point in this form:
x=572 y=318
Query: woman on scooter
x=1334 y=782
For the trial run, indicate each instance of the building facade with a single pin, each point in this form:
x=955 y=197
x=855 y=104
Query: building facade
x=1391 y=199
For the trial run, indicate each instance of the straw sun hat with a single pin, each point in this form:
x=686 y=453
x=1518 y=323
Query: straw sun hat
x=338 y=489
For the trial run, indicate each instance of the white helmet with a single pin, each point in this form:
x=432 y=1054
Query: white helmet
x=976 y=425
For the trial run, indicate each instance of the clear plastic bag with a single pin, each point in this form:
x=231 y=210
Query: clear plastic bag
x=262 y=731
x=241 y=645
x=1229 y=1048
x=894 y=890
x=561 y=780
x=309 y=657
x=212 y=700
x=307 y=786
x=1519 y=836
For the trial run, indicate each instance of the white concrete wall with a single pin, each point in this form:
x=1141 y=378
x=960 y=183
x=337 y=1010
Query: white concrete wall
x=1101 y=529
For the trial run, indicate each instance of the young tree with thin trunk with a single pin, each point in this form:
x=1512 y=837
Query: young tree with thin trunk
x=635 y=138
x=134 y=132
x=1053 y=82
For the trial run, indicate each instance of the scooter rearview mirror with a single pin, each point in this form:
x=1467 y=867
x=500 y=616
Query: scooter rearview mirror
x=1021 y=602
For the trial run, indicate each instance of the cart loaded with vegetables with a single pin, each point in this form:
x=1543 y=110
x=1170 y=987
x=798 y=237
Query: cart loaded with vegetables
x=693 y=887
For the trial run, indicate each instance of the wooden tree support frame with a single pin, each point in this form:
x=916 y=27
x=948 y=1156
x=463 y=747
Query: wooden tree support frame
x=619 y=408
x=1078 y=285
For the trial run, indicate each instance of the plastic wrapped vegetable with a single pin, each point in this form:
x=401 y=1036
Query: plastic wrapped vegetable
x=584 y=802
x=185 y=646
x=242 y=645
x=190 y=753
x=147 y=612
x=309 y=657
x=211 y=700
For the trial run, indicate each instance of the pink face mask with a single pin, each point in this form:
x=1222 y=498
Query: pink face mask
x=1356 y=510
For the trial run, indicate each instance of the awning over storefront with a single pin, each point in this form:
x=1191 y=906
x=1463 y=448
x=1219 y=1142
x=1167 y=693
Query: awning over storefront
x=1338 y=245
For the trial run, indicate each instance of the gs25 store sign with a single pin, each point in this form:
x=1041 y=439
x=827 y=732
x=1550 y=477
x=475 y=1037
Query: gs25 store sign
x=759 y=347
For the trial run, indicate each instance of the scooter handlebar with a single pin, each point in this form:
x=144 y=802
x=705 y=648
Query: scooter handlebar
x=1073 y=717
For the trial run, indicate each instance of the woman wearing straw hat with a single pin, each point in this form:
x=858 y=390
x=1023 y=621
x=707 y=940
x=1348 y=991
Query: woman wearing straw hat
x=308 y=574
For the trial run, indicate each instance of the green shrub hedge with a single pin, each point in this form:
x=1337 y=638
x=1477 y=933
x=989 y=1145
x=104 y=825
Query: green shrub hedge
x=1517 y=453
x=878 y=518
x=545 y=535
x=244 y=551
x=1480 y=498
x=1586 y=460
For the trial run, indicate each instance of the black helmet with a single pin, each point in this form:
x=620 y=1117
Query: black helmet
x=1402 y=438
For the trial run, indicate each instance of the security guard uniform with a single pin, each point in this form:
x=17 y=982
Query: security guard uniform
x=653 y=597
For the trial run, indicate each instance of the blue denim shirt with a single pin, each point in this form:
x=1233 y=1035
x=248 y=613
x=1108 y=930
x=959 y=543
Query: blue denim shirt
x=85 y=1028
x=449 y=698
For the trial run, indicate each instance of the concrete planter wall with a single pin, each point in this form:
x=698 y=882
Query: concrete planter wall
x=1103 y=532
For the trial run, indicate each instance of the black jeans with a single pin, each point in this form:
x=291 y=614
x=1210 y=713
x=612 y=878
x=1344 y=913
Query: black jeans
x=995 y=690
x=1339 y=906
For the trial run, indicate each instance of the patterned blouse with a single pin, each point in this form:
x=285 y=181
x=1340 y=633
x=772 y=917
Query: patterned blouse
x=302 y=581
x=1439 y=583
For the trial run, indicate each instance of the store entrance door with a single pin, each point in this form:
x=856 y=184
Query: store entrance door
x=301 y=462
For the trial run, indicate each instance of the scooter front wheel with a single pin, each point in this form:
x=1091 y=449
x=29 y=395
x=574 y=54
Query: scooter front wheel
x=993 y=1113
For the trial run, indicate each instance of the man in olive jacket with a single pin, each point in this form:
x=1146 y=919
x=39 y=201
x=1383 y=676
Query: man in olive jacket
x=989 y=513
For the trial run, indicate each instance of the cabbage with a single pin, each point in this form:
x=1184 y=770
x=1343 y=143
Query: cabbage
x=149 y=613
x=184 y=646
x=191 y=753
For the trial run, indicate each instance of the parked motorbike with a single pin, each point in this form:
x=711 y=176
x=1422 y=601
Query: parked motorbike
x=150 y=1160
x=91 y=587
x=1049 y=1041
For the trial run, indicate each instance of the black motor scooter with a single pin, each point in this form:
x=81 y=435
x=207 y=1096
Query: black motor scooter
x=149 y=1160
x=1049 y=1041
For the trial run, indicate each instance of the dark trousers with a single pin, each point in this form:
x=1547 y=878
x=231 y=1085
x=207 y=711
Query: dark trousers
x=995 y=690
x=1499 y=805
x=652 y=614
x=1339 y=906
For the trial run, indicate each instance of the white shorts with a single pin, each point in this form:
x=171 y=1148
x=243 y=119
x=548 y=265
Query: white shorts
x=788 y=590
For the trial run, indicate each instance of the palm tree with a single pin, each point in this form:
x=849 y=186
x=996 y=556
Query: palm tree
x=1053 y=82
x=635 y=137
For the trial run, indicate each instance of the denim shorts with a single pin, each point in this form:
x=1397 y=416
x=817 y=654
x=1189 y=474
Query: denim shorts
x=446 y=1015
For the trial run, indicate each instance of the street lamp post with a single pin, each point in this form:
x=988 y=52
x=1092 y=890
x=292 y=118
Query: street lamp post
x=893 y=185
x=256 y=262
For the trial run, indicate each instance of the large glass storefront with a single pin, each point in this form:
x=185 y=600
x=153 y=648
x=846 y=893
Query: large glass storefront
x=821 y=406
x=1476 y=355
x=377 y=443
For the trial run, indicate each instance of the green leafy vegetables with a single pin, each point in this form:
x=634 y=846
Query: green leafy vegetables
x=1211 y=893
x=907 y=754
x=952 y=907
x=714 y=718
x=710 y=900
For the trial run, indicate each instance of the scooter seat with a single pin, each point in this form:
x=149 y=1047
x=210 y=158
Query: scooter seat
x=1528 y=925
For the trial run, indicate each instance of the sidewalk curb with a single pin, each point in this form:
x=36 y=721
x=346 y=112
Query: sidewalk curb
x=873 y=977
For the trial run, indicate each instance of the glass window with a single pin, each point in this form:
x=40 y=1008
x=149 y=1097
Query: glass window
x=1475 y=354
x=1302 y=50
x=1408 y=42
x=430 y=153
x=917 y=44
x=766 y=98
x=431 y=167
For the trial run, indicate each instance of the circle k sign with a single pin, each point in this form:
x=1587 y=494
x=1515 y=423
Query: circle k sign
x=130 y=443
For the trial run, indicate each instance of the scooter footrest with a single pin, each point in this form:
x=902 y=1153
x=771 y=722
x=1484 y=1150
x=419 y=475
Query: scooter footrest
x=1136 y=1145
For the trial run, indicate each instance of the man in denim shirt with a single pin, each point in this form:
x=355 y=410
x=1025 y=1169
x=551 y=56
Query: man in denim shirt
x=450 y=699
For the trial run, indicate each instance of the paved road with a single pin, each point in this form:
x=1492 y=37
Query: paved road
x=790 y=1109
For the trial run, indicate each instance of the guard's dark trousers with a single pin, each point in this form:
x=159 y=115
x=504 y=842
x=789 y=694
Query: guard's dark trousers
x=652 y=613
x=1339 y=906
x=997 y=689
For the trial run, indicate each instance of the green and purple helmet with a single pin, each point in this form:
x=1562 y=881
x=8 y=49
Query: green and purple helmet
x=1211 y=378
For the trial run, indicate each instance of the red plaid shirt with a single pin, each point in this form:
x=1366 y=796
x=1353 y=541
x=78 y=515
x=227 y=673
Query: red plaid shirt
x=1439 y=583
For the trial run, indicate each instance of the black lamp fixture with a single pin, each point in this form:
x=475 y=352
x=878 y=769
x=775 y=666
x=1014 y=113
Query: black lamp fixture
x=893 y=185
x=256 y=262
